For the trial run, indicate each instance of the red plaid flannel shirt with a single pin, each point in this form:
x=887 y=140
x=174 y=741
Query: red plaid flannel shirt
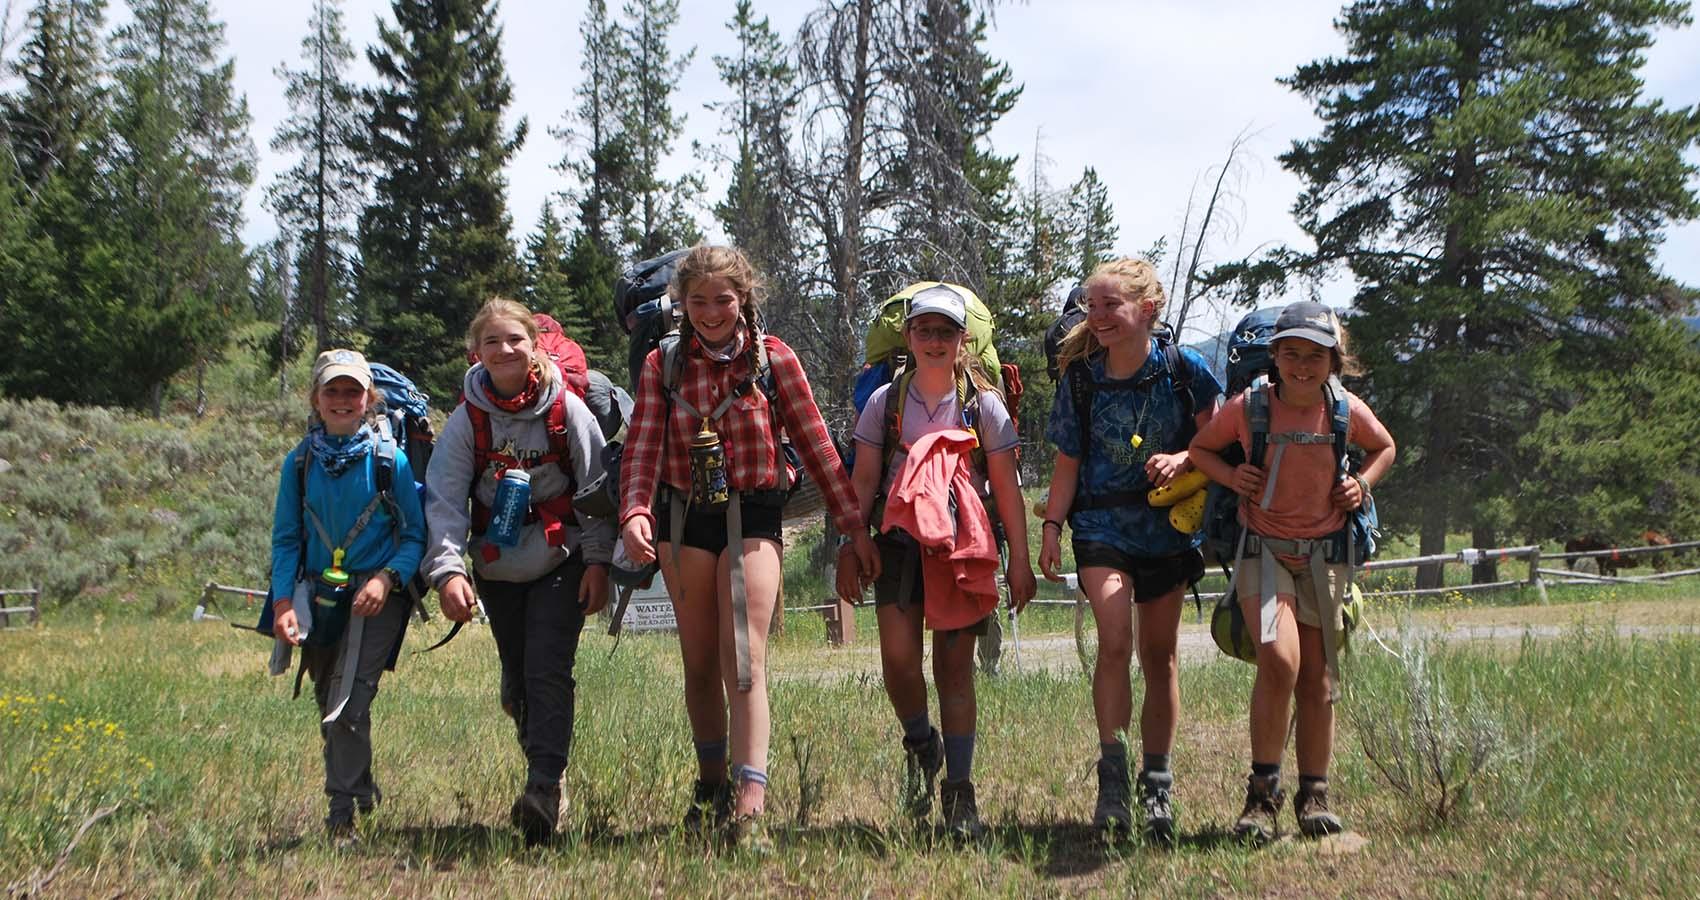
x=745 y=431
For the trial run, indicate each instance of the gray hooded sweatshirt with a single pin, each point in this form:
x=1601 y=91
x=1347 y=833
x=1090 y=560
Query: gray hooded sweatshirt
x=523 y=435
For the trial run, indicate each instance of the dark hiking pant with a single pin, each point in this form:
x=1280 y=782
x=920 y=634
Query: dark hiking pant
x=536 y=625
x=348 y=741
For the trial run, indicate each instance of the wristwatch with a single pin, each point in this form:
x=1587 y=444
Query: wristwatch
x=394 y=578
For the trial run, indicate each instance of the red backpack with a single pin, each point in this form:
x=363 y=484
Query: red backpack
x=568 y=355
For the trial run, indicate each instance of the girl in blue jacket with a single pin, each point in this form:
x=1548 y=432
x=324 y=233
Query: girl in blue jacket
x=347 y=536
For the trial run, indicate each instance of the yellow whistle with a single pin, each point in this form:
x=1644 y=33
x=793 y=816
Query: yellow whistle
x=1179 y=488
x=1136 y=440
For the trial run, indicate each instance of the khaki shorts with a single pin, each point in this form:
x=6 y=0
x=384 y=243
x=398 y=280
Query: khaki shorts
x=1294 y=580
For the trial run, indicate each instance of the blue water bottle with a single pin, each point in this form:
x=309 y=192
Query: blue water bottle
x=507 y=513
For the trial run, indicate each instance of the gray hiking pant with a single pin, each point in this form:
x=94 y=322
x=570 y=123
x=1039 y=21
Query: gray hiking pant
x=348 y=741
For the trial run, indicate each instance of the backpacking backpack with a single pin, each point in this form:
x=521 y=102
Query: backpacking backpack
x=643 y=283
x=568 y=355
x=1073 y=313
x=885 y=357
x=404 y=418
x=1248 y=349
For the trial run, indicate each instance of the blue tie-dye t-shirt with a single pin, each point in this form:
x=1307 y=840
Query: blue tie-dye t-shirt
x=1159 y=417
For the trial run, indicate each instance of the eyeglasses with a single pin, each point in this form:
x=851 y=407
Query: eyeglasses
x=940 y=334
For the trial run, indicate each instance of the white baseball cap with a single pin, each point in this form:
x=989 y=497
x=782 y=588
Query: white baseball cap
x=942 y=300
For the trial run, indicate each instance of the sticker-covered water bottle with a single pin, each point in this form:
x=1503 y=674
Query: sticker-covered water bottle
x=708 y=470
x=507 y=513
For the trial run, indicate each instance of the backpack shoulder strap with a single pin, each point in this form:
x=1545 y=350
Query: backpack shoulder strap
x=480 y=422
x=383 y=476
x=1180 y=377
x=559 y=444
x=1340 y=416
x=1257 y=417
x=1081 y=388
x=896 y=397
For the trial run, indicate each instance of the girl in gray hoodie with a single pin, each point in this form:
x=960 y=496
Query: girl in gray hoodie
x=519 y=414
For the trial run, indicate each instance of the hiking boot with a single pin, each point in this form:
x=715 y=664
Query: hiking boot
x=1259 y=823
x=748 y=833
x=921 y=764
x=1154 y=788
x=339 y=829
x=961 y=814
x=1310 y=807
x=1112 y=815
x=710 y=800
x=536 y=811
x=365 y=805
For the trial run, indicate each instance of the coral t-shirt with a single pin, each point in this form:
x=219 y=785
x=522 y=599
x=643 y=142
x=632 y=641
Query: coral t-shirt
x=1300 y=506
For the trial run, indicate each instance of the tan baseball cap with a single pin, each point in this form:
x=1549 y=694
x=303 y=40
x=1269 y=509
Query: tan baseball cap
x=333 y=364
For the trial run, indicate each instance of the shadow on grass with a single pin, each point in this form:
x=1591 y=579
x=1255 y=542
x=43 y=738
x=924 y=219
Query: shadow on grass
x=1073 y=849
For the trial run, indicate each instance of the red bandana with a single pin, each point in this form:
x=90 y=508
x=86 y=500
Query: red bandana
x=525 y=399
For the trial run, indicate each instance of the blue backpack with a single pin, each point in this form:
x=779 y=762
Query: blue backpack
x=405 y=419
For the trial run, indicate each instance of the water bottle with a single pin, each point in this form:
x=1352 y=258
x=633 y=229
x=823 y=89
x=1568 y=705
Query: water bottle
x=708 y=470
x=507 y=513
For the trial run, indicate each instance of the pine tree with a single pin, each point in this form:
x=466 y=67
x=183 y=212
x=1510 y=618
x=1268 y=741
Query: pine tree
x=317 y=199
x=955 y=195
x=600 y=158
x=661 y=218
x=62 y=103
x=1497 y=185
x=547 y=287
x=604 y=169
x=434 y=239
x=1092 y=223
x=758 y=119
x=181 y=163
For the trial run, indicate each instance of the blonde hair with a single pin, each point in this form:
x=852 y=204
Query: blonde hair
x=1137 y=280
x=501 y=309
x=730 y=263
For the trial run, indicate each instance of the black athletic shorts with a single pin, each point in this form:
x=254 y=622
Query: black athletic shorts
x=1153 y=577
x=895 y=554
x=762 y=518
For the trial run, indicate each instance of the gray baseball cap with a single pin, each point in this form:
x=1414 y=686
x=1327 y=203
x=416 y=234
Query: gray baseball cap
x=1309 y=320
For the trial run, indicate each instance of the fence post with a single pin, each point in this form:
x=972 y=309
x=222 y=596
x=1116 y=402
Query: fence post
x=1535 y=575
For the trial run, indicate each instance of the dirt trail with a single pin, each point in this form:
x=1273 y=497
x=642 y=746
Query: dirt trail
x=1501 y=625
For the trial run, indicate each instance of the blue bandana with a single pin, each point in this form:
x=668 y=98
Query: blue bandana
x=335 y=453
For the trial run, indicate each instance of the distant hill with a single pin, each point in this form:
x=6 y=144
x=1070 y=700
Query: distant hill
x=1692 y=322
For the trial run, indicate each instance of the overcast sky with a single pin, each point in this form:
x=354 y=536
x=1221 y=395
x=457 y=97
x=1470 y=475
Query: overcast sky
x=1150 y=93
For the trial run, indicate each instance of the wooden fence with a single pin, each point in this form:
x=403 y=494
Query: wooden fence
x=31 y=612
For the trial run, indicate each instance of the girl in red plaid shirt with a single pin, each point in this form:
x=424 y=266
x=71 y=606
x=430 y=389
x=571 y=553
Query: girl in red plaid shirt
x=717 y=372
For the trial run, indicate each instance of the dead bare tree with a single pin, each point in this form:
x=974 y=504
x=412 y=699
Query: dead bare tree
x=1218 y=221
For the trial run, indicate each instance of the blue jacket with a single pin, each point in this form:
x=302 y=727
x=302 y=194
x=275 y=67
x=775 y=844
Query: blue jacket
x=338 y=502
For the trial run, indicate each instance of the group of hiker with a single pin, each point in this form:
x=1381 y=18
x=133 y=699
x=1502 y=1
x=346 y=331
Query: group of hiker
x=723 y=426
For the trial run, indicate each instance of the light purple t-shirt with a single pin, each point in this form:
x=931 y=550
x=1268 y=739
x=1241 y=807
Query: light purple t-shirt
x=995 y=430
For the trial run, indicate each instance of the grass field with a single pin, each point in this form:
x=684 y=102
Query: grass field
x=215 y=774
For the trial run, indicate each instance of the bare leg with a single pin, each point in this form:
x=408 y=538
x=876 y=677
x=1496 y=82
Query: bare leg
x=1110 y=591
x=1277 y=673
x=697 y=613
x=1157 y=636
x=1315 y=740
x=900 y=659
x=751 y=727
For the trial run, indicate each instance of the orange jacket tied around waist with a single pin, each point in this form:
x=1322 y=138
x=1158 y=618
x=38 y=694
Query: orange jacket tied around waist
x=959 y=555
